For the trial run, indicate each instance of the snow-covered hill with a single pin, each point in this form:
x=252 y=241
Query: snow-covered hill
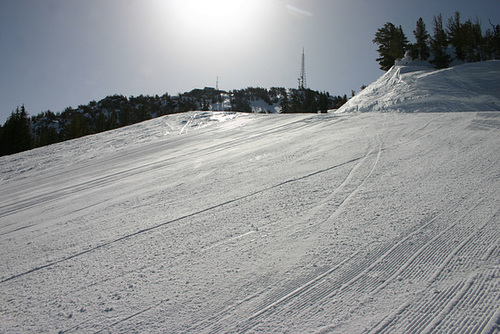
x=418 y=87
x=220 y=222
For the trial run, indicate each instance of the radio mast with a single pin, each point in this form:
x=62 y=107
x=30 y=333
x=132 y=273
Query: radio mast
x=302 y=79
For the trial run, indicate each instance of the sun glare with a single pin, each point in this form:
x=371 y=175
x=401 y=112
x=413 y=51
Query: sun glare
x=204 y=17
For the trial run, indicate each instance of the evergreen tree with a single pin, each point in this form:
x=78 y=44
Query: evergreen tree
x=495 y=41
x=475 y=50
x=421 y=49
x=323 y=102
x=492 y=42
x=309 y=104
x=16 y=132
x=285 y=102
x=392 y=44
x=439 y=44
x=457 y=36
x=296 y=100
x=467 y=39
x=78 y=127
x=2 y=141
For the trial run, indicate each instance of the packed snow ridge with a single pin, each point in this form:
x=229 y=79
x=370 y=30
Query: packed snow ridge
x=413 y=86
x=223 y=222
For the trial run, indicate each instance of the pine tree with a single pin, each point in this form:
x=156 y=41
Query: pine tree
x=16 y=132
x=467 y=39
x=439 y=44
x=456 y=36
x=323 y=102
x=421 y=49
x=285 y=102
x=392 y=44
x=475 y=52
x=400 y=44
x=492 y=42
x=495 y=42
x=2 y=141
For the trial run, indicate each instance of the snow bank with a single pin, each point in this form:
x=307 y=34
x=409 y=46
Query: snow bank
x=417 y=87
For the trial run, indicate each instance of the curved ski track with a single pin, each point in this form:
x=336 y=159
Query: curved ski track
x=441 y=247
x=339 y=196
x=100 y=182
x=442 y=251
x=112 y=177
x=421 y=255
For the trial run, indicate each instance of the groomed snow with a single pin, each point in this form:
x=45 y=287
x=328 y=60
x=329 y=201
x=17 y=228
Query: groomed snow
x=225 y=222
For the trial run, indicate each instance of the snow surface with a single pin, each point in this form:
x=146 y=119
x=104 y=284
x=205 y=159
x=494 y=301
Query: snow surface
x=418 y=87
x=210 y=222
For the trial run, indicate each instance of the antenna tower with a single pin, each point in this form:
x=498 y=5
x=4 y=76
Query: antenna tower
x=302 y=79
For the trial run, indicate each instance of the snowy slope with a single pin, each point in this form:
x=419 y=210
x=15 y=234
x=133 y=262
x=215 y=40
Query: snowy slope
x=417 y=87
x=222 y=222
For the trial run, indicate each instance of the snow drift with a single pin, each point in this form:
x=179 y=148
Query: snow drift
x=417 y=87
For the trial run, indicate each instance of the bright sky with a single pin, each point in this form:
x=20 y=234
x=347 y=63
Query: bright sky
x=60 y=53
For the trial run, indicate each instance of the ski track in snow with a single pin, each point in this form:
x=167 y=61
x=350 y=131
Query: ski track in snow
x=370 y=223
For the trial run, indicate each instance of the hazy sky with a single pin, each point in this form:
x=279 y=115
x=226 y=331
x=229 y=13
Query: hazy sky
x=60 y=53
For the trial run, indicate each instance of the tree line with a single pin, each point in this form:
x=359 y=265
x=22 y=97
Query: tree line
x=466 y=39
x=22 y=132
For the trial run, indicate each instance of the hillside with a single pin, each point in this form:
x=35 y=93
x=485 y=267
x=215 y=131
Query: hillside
x=21 y=132
x=228 y=222
x=418 y=87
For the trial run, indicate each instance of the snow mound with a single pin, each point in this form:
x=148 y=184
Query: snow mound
x=417 y=87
